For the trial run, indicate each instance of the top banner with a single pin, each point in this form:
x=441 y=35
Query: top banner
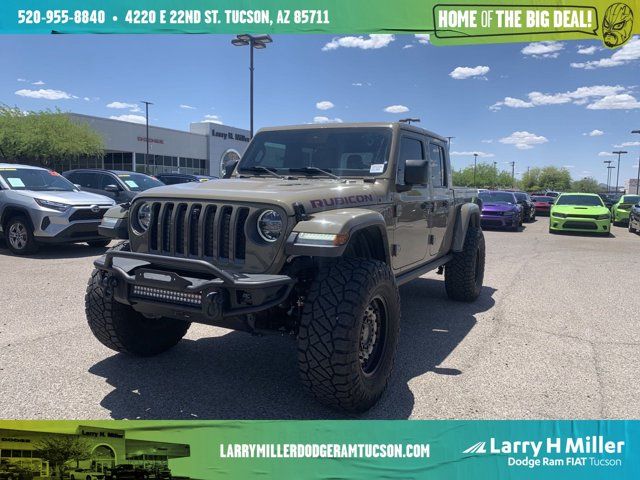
x=448 y=22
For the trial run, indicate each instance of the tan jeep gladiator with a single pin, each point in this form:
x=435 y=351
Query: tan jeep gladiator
x=311 y=236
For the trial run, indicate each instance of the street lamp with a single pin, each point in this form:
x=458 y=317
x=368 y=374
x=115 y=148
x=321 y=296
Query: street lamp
x=619 y=152
x=608 y=162
x=475 y=164
x=610 y=167
x=513 y=174
x=638 y=178
x=146 y=115
x=253 y=41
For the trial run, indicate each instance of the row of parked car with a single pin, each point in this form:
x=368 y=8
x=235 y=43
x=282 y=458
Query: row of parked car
x=577 y=212
x=40 y=206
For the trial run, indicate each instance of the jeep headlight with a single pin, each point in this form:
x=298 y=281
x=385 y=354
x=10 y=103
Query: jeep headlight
x=270 y=225
x=142 y=217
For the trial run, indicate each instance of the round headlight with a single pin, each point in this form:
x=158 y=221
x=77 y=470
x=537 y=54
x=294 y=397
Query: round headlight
x=143 y=215
x=270 y=225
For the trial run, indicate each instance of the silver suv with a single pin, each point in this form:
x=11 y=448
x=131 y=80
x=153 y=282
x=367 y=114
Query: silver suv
x=41 y=206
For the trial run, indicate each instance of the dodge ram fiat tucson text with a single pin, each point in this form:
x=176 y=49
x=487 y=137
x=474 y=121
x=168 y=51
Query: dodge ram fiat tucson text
x=311 y=237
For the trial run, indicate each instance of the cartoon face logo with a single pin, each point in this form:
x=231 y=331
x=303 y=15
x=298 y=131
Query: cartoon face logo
x=617 y=25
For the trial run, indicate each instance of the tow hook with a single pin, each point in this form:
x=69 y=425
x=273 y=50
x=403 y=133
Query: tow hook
x=109 y=282
x=213 y=304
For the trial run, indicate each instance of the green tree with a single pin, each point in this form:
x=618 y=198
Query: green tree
x=487 y=176
x=587 y=185
x=549 y=178
x=45 y=137
x=58 y=450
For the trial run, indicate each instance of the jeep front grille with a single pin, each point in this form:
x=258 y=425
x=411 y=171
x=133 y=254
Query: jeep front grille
x=203 y=230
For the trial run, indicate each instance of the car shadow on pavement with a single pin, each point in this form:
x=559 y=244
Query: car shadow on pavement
x=58 y=251
x=238 y=376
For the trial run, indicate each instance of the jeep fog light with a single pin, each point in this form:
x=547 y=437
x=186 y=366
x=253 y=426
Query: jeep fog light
x=305 y=238
x=270 y=225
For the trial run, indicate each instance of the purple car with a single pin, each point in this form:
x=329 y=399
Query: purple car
x=500 y=210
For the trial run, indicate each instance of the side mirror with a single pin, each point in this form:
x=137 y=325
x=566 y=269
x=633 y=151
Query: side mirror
x=416 y=172
x=112 y=188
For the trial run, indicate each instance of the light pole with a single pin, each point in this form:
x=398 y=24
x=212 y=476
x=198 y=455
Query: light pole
x=146 y=115
x=253 y=41
x=638 y=177
x=495 y=174
x=610 y=167
x=607 y=165
x=619 y=152
x=475 y=164
x=513 y=174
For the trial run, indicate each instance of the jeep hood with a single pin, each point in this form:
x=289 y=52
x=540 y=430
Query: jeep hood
x=74 y=198
x=316 y=194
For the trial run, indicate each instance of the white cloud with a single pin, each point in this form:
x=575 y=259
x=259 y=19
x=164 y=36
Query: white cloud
x=587 y=50
x=407 y=46
x=373 y=41
x=423 y=38
x=396 y=109
x=212 y=119
x=323 y=119
x=543 y=49
x=324 y=105
x=606 y=154
x=39 y=82
x=622 y=101
x=594 y=133
x=86 y=99
x=470 y=154
x=462 y=73
x=45 y=94
x=21 y=80
x=579 y=96
x=129 y=118
x=357 y=84
x=121 y=105
x=187 y=107
x=628 y=144
x=523 y=140
x=488 y=140
x=568 y=167
x=628 y=53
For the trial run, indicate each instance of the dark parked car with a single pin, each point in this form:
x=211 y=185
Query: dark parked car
x=634 y=218
x=173 y=178
x=528 y=207
x=500 y=210
x=609 y=199
x=542 y=204
x=120 y=185
x=126 y=471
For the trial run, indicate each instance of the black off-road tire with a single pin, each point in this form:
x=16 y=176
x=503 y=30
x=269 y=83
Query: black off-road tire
x=331 y=333
x=464 y=274
x=99 y=243
x=26 y=246
x=122 y=329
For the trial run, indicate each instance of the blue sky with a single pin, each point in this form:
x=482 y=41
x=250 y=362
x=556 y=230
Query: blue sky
x=560 y=103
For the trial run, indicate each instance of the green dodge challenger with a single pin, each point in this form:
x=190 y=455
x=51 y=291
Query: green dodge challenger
x=579 y=212
x=620 y=210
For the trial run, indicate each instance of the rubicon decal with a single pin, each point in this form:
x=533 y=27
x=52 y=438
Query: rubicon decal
x=338 y=201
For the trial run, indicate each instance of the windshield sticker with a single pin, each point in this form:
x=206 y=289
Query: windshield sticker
x=124 y=175
x=376 y=168
x=131 y=183
x=15 y=182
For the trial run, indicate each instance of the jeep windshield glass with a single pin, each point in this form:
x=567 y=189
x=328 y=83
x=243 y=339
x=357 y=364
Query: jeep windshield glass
x=341 y=152
x=580 y=200
x=138 y=182
x=36 y=180
x=497 y=197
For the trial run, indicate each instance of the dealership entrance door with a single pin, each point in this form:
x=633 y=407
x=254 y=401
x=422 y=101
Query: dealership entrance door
x=102 y=457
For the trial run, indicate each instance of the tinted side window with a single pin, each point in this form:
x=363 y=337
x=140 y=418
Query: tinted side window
x=87 y=180
x=438 y=167
x=411 y=149
x=106 y=180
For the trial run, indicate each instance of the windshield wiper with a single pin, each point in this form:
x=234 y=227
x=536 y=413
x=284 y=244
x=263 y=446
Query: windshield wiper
x=260 y=168
x=314 y=170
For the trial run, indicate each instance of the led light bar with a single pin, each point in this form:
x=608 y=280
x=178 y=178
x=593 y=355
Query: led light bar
x=169 y=296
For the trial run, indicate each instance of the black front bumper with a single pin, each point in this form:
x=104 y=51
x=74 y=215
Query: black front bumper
x=188 y=289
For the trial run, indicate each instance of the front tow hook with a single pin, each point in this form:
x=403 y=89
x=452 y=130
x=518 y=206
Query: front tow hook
x=109 y=282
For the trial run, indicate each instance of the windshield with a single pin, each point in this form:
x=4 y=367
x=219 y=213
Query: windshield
x=580 y=200
x=39 y=180
x=339 y=151
x=543 y=199
x=497 y=197
x=630 y=199
x=138 y=182
x=521 y=196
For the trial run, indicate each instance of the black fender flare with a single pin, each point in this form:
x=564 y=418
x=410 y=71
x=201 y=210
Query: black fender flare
x=468 y=213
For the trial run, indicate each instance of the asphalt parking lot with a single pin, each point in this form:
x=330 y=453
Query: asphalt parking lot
x=555 y=334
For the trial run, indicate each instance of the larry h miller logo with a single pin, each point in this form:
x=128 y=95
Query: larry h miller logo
x=590 y=451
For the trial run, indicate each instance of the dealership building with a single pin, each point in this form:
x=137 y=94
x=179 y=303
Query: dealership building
x=205 y=149
x=107 y=448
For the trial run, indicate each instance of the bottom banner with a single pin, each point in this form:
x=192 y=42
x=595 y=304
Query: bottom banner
x=447 y=449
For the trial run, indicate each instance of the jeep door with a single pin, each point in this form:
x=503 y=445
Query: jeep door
x=440 y=214
x=410 y=236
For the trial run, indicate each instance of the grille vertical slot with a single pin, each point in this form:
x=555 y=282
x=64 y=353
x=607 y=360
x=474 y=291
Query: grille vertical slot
x=240 y=249
x=224 y=244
